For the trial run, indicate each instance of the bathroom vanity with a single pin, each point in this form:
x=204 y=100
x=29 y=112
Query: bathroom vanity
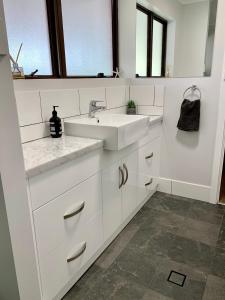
x=82 y=195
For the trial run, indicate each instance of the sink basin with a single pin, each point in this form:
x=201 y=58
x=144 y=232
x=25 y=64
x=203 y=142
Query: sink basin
x=117 y=131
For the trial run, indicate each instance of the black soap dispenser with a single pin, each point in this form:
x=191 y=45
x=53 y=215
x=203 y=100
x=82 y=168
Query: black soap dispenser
x=55 y=125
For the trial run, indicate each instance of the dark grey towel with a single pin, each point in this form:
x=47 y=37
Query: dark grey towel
x=189 y=115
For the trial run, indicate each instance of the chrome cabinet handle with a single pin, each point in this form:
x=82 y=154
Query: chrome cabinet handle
x=74 y=211
x=127 y=173
x=149 y=156
x=78 y=253
x=122 y=176
x=149 y=183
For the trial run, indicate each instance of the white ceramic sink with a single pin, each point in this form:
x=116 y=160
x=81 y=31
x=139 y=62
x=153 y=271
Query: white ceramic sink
x=117 y=130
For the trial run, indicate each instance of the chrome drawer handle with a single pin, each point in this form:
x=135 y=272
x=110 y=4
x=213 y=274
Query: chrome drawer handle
x=74 y=211
x=149 y=183
x=127 y=173
x=149 y=156
x=122 y=176
x=78 y=253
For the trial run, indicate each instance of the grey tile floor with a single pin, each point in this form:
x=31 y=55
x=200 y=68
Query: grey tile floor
x=169 y=233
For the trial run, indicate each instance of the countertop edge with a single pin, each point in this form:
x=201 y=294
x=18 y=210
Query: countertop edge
x=61 y=160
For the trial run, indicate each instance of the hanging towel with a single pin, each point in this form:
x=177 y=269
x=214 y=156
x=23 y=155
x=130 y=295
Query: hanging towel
x=189 y=115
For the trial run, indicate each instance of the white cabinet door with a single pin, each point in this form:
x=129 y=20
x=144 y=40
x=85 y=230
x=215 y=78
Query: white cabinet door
x=112 y=200
x=129 y=191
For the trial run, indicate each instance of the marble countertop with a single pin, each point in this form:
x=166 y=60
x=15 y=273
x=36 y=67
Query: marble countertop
x=48 y=153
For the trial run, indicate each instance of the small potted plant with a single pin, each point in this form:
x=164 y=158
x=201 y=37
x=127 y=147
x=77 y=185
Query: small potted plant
x=131 y=108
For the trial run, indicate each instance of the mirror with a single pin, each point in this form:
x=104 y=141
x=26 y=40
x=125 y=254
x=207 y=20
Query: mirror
x=175 y=38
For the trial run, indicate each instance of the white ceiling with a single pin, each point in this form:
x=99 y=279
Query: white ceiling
x=190 y=1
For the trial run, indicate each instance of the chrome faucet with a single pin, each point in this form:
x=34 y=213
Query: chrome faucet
x=93 y=108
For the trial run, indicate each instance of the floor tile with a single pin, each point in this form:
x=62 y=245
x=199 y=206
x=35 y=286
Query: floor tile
x=141 y=217
x=215 y=289
x=114 y=286
x=152 y=295
x=167 y=245
x=170 y=203
x=218 y=263
x=135 y=267
x=206 y=212
x=170 y=221
x=221 y=238
x=112 y=252
x=199 y=231
x=194 y=285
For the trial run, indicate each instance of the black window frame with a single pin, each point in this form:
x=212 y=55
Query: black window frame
x=57 y=45
x=151 y=17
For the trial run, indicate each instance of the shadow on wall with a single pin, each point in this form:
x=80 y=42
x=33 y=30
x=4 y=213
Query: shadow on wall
x=188 y=139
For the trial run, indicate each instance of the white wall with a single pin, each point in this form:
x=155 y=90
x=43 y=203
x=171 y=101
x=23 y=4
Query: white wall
x=127 y=38
x=190 y=60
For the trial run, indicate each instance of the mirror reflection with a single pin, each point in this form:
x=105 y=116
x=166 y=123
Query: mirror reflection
x=175 y=38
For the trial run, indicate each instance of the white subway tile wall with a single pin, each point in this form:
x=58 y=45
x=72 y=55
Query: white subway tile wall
x=116 y=96
x=159 y=95
x=67 y=100
x=150 y=110
x=142 y=94
x=28 y=107
x=34 y=132
x=35 y=107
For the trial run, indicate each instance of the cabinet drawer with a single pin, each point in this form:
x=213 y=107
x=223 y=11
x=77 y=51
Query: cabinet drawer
x=64 y=218
x=149 y=156
x=51 y=184
x=56 y=271
x=145 y=185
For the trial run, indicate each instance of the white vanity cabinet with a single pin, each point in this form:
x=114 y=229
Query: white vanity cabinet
x=80 y=206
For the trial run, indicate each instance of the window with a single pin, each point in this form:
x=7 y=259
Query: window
x=88 y=37
x=26 y=22
x=64 y=38
x=150 y=44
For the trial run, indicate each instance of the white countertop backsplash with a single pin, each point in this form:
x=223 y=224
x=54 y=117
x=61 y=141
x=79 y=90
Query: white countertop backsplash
x=48 y=153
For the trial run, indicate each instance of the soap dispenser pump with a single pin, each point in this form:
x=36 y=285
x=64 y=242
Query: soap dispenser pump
x=55 y=124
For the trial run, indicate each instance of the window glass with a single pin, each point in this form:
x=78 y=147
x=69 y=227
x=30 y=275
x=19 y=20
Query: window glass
x=88 y=37
x=26 y=22
x=141 y=43
x=157 y=44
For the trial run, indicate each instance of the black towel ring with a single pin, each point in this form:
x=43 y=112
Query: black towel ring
x=193 y=89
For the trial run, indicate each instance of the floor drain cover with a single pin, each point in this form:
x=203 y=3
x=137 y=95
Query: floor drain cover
x=177 y=278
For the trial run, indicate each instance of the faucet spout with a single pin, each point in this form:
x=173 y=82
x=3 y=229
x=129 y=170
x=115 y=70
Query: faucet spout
x=93 y=108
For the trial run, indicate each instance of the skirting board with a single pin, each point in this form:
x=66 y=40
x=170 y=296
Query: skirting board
x=184 y=189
